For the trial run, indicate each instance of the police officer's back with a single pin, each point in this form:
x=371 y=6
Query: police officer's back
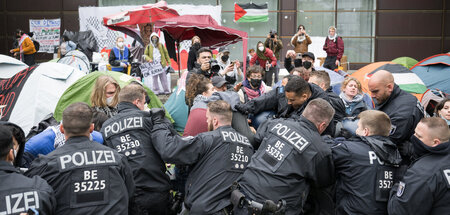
x=129 y=132
x=19 y=193
x=88 y=178
x=366 y=166
x=425 y=187
x=292 y=156
x=218 y=158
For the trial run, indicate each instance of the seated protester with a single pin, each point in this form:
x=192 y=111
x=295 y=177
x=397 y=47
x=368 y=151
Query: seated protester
x=66 y=45
x=299 y=71
x=443 y=110
x=104 y=95
x=352 y=95
x=424 y=189
x=231 y=71
x=253 y=86
x=219 y=84
x=292 y=56
x=322 y=79
x=20 y=193
x=88 y=178
x=308 y=60
x=18 y=138
x=198 y=90
x=208 y=153
x=267 y=61
x=366 y=166
x=120 y=57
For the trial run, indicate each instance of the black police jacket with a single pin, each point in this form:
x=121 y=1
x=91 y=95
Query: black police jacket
x=425 y=188
x=365 y=172
x=291 y=158
x=405 y=111
x=88 y=178
x=18 y=193
x=129 y=132
x=217 y=157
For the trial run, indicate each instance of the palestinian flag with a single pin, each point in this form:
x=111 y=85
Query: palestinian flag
x=251 y=12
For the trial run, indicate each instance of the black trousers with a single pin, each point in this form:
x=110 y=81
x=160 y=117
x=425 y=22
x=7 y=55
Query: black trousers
x=330 y=62
x=150 y=203
x=268 y=77
x=28 y=59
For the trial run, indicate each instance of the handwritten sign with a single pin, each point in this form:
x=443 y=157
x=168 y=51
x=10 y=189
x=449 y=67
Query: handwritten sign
x=46 y=32
x=152 y=69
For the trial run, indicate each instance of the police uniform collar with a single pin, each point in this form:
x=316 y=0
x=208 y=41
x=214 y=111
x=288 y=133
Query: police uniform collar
x=126 y=105
x=308 y=123
x=77 y=139
x=393 y=95
x=224 y=127
x=8 y=167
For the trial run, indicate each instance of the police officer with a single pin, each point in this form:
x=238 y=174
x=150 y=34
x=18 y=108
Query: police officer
x=88 y=178
x=366 y=166
x=129 y=132
x=291 y=158
x=425 y=188
x=18 y=193
x=218 y=158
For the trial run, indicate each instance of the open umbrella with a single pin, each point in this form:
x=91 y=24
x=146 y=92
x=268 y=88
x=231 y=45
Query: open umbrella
x=213 y=35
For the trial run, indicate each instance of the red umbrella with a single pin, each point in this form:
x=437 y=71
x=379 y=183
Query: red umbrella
x=204 y=26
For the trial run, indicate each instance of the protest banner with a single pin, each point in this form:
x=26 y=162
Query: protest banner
x=46 y=32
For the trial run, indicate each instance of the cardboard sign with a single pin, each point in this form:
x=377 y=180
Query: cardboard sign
x=151 y=69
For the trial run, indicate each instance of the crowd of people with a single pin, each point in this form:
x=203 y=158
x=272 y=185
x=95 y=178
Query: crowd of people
x=252 y=144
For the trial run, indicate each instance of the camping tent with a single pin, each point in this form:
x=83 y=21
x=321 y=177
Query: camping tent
x=405 y=61
x=76 y=59
x=10 y=66
x=32 y=93
x=80 y=91
x=435 y=72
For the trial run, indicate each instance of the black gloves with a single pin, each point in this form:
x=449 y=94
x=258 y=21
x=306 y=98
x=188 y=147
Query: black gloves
x=158 y=115
x=242 y=108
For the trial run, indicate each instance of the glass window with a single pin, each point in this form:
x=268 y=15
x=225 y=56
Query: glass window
x=356 y=5
x=356 y=23
x=358 y=49
x=229 y=5
x=315 y=5
x=236 y=49
x=316 y=23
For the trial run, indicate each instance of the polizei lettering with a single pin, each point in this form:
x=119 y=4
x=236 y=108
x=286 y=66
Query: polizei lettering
x=127 y=123
x=86 y=158
x=20 y=202
x=290 y=136
x=234 y=137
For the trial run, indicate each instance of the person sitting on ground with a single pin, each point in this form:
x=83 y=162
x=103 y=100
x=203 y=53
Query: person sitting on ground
x=308 y=60
x=266 y=60
x=230 y=70
x=119 y=57
x=198 y=90
x=219 y=83
x=192 y=56
x=66 y=45
x=253 y=86
x=443 y=110
x=352 y=95
x=104 y=96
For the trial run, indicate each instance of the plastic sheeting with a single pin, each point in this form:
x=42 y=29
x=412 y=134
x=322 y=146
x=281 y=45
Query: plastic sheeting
x=85 y=41
x=78 y=60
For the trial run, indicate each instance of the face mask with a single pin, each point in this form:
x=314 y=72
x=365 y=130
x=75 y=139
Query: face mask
x=196 y=45
x=225 y=58
x=261 y=48
x=120 y=44
x=419 y=147
x=154 y=41
x=109 y=100
x=255 y=82
x=307 y=64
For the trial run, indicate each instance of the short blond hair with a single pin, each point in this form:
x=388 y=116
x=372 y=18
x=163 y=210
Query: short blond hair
x=377 y=121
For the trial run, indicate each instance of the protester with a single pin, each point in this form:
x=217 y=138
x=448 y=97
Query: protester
x=120 y=57
x=274 y=43
x=308 y=60
x=230 y=70
x=301 y=40
x=157 y=52
x=292 y=57
x=334 y=46
x=192 y=56
x=105 y=95
x=302 y=72
x=266 y=59
x=253 y=86
x=88 y=178
x=292 y=158
x=198 y=90
x=219 y=84
x=20 y=193
x=205 y=65
x=352 y=96
x=366 y=166
x=132 y=139
x=424 y=188
x=214 y=172
x=67 y=45
x=26 y=48
x=443 y=110
x=251 y=53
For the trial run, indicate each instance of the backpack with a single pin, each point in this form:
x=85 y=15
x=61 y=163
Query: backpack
x=36 y=44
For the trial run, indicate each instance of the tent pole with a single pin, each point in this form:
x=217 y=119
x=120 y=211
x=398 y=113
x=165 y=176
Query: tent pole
x=179 y=60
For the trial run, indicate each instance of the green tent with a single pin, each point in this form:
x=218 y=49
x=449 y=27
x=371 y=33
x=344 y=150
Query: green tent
x=405 y=61
x=80 y=91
